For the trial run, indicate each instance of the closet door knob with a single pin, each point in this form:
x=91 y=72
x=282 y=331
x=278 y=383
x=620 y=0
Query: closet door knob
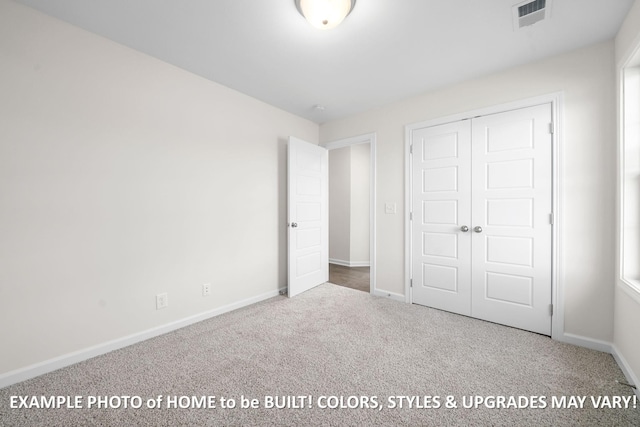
x=478 y=229
x=464 y=228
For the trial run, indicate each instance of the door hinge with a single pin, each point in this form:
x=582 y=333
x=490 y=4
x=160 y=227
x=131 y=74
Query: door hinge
x=551 y=218
x=411 y=148
x=411 y=283
x=551 y=309
x=551 y=128
x=410 y=216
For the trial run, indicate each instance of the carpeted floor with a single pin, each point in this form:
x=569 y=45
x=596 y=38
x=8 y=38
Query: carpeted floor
x=334 y=341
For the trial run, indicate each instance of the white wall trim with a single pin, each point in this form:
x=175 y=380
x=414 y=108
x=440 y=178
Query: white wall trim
x=629 y=286
x=557 y=298
x=494 y=109
x=348 y=142
x=349 y=263
x=630 y=58
x=23 y=374
x=557 y=107
x=605 y=347
x=590 y=343
x=391 y=295
x=626 y=369
x=408 y=191
x=630 y=289
x=369 y=138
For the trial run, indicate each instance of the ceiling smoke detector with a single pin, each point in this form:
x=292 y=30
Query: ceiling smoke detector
x=529 y=12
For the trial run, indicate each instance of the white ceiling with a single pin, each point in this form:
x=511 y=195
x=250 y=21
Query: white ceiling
x=384 y=51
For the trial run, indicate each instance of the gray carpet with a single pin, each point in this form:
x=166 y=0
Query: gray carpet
x=334 y=341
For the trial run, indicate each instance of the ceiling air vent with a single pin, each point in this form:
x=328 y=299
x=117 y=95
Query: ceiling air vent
x=530 y=12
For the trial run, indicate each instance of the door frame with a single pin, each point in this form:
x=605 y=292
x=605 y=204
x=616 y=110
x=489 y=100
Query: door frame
x=369 y=138
x=557 y=284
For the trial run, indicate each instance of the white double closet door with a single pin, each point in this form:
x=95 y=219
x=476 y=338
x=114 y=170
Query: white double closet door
x=481 y=217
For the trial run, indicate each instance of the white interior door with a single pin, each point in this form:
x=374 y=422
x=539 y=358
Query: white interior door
x=441 y=177
x=511 y=196
x=481 y=227
x=308 y=223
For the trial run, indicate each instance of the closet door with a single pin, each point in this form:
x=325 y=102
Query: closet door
x=441 y=207
x=481 y=217
x=511 y=205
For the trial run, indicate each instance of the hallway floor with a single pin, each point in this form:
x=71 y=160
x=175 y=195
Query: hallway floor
x=350 y=277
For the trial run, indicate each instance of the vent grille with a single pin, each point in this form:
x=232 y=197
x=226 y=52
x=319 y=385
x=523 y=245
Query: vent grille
x=529 y=12
x=529 y=8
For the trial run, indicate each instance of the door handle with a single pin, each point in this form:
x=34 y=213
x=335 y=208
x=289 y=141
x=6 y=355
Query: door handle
x=464 y=228
x=294 y=224
x=477 y=229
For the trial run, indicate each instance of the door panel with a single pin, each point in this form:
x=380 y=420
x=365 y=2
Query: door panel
x=511 y=195
x=508 y=174
x=440 y=245
x=441 y=205
x=308 y=234
x=509 y=288
x=510 y=212
x=508 y=250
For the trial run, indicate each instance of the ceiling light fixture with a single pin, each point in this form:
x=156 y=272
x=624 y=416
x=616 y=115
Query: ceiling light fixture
x=325 y=14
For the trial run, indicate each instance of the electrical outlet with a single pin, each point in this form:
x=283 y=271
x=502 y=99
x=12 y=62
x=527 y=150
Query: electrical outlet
x=162 y=301
x=206 y=289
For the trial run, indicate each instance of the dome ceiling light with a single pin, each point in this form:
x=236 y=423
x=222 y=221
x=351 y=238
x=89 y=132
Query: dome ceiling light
x=325 y=14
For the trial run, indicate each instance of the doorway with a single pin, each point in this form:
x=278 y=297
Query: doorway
x=352 y=212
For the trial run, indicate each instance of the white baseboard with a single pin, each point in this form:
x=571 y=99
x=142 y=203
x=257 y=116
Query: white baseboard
x=580 y=341
x=22 y=374
x=626 y=369
x=390 y=295
x=605 y=347
x=349 y=263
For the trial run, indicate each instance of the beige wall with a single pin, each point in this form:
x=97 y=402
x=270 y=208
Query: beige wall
x=587 y=175
x=340 y=204
x=627 y=302
x=360 y=205
x=349 y=177
x=122 y=177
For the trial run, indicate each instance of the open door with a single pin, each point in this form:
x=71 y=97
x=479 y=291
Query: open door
x=308 y=216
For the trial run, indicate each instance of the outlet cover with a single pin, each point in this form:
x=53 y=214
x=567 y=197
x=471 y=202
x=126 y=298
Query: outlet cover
x=206 y=289
x=162 y=301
